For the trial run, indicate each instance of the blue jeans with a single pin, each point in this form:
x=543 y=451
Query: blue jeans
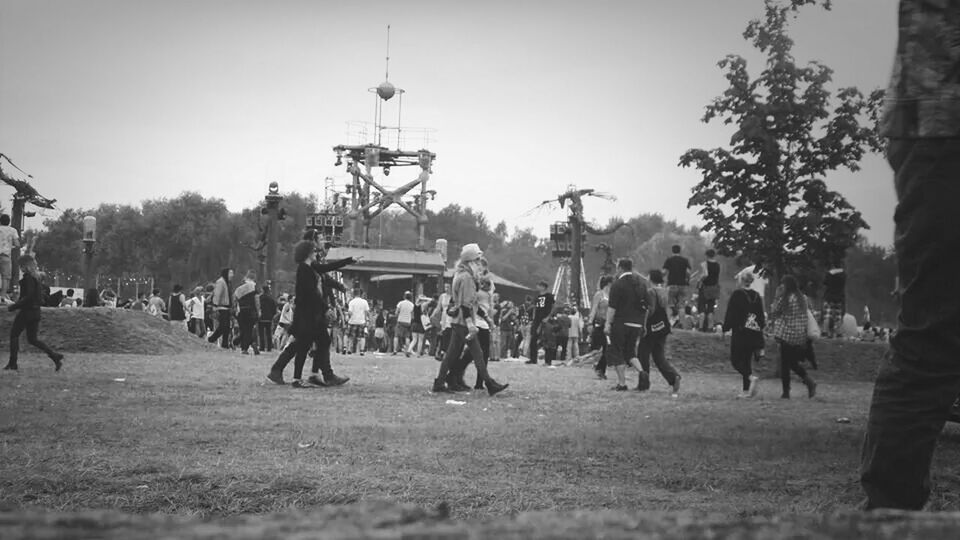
x=920 y=375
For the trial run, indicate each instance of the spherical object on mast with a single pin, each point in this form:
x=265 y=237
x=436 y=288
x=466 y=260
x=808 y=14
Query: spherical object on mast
x=386 y=90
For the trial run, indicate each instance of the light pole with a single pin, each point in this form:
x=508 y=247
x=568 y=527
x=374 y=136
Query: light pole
x=274 y=214
x=90 y=298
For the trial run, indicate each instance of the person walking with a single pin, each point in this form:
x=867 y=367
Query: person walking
x=28 y=316
x=248 y=313
x=789 y=313
x=626 y=318
x=598 y=316
x=222 y=303
x=309 y=327
x=463 y=314
x=654 y=341
x=745 y=320
x=268 y=310
x=508 y=329
x=542 y=308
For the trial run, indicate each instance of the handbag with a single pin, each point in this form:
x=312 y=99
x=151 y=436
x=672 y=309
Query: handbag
x=813 y=329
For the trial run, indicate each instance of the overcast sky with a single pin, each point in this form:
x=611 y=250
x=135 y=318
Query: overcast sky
x=124 y=100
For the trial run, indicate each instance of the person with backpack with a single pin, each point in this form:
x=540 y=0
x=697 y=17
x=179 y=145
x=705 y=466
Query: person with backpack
x=745 y=321
x=654 y=341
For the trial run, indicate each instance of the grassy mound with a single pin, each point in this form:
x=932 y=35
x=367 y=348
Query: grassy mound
x=837 y=358
x=106 y=330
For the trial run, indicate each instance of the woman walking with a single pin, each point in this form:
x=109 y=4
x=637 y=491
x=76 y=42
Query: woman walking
x=790 y=330
x=745 y=321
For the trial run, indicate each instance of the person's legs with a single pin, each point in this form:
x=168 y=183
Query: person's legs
x=302 y=348
x=223 y=316
x=33 y=328
x=742 y=359
x=658 y=348
x=534 y=329
x=457 y=337
x=17 y=328
x=283 y=359
x=920 y=376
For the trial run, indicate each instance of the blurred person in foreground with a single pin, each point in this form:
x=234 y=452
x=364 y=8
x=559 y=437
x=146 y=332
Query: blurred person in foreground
x=920 y=376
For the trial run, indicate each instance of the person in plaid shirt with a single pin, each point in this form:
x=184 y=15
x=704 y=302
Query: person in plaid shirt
x=789 y=314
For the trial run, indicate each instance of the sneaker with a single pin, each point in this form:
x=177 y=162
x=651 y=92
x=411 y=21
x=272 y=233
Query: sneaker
x=298 y=383
x=744 y=395
x=619 y=388
x=316 y=381
x=276 y=378
x=601 y=376
x=676 y=386
x=335 y=380
x=57 y=361
x=754 y=384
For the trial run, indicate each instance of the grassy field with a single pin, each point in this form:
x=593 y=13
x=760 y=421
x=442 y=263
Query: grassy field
x=200 y=433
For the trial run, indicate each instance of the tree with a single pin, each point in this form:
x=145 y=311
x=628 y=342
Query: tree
x=764 y=197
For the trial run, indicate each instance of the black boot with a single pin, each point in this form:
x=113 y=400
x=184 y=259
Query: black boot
x=439 y=387
x=643 y=384
x=495 y=388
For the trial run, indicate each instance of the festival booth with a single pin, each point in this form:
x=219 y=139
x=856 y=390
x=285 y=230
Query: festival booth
x=386 y=273
x=508 y=290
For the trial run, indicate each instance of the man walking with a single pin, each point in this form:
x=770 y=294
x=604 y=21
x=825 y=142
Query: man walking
x=920 y=375
x=358 y=310
x=626 y=318
x=268 y=310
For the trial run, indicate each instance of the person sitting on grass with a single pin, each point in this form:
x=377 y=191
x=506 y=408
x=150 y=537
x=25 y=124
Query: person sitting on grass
x=69 y=301
x=28 y=316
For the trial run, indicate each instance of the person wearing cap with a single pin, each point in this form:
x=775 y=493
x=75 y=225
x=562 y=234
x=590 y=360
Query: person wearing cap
x=464 y=313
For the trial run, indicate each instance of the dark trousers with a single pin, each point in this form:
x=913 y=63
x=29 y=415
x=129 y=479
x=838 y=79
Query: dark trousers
x=247 y=319
x=742 y=348
x=920 y=375
x=655 y=345
x=458 y=340
x=483 y=337
x=790 y=357
x=28 y=320
x=534 y=346
x=598 y=341
x=223 y=329
x=298 y=351
x=549 y=353
x=506 y=343
x=265 y=335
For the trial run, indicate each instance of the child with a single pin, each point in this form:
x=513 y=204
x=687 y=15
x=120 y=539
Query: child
x=282 y=335
x=573 y=347
x=549 y=332
x=28 y=317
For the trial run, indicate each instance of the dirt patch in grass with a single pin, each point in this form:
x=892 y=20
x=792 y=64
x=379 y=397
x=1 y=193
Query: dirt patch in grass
x=106 y=330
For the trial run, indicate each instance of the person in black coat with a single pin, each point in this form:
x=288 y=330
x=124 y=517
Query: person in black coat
x=28 y=318
x=745 y=320
x=309 y=327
